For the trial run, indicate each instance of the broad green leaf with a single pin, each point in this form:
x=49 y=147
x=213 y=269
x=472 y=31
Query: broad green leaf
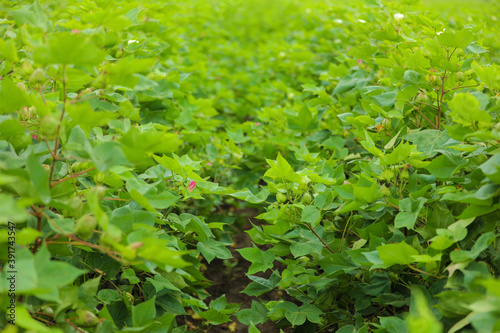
x=444 y=166
x=257 y=314
x=248 y=196
x=408 y=212
x=311 y=215
x=490 y=76
x=455 y=39
x=66 y=48
x=11 y=96
x=281 y=171
x=11 y=211
x=260 y=286
x=107 y=155
x=491 y=168
x=412 y=77
x=261 y=260
x=144 y=313
x=399 y=253
x=465 y=111
x=84 y=116
x=211 y=249
x=421 y=318
x=39 y=178
x=33 y=15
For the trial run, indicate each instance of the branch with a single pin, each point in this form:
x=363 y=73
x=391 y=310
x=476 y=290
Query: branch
x=56 y=144
x=71 y=177
x=322 y=241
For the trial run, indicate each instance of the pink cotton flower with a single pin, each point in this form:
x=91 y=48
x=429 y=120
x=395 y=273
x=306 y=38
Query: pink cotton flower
x=209 y=164
x=360 y=62
x=75 y=31
x=191 y=186
x=35 y=136
x=257 y=124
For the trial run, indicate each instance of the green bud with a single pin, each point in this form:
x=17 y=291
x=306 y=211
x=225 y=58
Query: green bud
x=99 y=190
x=37 y=77
x=422 y=98
x=100 y=177
x=306 y=199
x=404 y=174
x=387 y=174
x=460 y=77
x=48 y=126
x=85 y=318
x=75 y=203
x=385 y=191
x=280 y=197
x=387 y=124
x=85 y=226
x=26 y=70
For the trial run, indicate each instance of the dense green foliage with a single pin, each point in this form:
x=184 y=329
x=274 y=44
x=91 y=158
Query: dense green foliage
x=135 y=138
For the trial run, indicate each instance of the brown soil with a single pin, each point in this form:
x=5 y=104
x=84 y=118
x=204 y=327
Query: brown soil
x=230 y=281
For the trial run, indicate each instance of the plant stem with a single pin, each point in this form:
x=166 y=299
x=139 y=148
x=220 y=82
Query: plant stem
x=56 y=144
x=321 y=240
x=71 y=177
x=424 y=272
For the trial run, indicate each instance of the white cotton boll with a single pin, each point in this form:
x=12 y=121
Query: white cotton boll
x=361 y=21
x=132 y=41
x=398 y=17
x=339 y=21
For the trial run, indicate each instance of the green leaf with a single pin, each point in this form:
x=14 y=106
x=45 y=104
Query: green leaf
x=412 y=77
x=107 y=155
x=66 y=48
x=84 y=116
x=39 y=178
x=129 y=274
x=421 y=318
x=281 y=171
x=491 y=168
x=466 y=111
x=311 y=215
x=11 y=211
x=261 y=260
x=445 y=166
x=408 y=214
x=302 y=248
x=11 y=96
x=144 y=313
x=428 y=141
x=25 y=320
x=33 y=16
x=260 y=285
x=475 y=49
x=211 y=249
x=257 y=314
x=248 y=196
x=490 y=76
x=460 y=39
x=399 y=253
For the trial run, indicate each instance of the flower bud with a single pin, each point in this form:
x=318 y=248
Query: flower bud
x=85 y=318
x=37 y=77
x=85 y=226
x=280 y=197
x=399 y=17
x=306 y=199
x=422 y=98
x=48 y=126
